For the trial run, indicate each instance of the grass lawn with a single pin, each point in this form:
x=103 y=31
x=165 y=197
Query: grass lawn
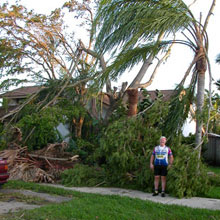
x=215 y=189
x=90 y=206
x=214 y=192
x=215 y=170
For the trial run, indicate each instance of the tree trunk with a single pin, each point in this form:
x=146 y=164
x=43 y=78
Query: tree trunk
x=78 y=122
x=78 y=127
x=137 y=80
x=201 y=67
x=200 y=103
x=133 y=101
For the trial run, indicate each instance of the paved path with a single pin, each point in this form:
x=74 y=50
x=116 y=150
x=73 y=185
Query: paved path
x=14 y=206
x=194 y=202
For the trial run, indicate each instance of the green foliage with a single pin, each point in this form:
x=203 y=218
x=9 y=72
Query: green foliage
x=178 y=111
x=125 y=23
x=72 y=110
x=83 y=148
x=189 y=140
x=215 y=180
x=10 y=60
x=119 y=113
x=214 y=120
x=82 y=175
x=188 y=176
x=3 y=143
x=5 y=104
x=130 y=28
x=126 y=146
x=7 y=83
x=214 y=169
x=214 y=193
x=128 y=58
x=39 y=129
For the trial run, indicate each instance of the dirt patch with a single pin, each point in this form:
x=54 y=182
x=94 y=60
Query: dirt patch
x=12 y=200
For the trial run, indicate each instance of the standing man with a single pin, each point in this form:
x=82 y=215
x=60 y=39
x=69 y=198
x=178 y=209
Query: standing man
x=161 y=159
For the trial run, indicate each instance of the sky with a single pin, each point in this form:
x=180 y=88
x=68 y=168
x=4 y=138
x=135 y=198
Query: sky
x=172 y=71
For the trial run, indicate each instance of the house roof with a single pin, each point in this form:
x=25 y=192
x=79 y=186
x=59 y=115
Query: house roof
x=213 y=135
x=22 y=92
x=167 y=94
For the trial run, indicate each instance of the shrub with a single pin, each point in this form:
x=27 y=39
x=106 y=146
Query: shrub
x=215 y=180
x=126 y=146
x=82 y=175
x=188 y=176
x=83 y=148
x=39 y=129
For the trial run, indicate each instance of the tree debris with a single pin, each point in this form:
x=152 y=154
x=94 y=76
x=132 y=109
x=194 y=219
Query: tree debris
x=44 y=165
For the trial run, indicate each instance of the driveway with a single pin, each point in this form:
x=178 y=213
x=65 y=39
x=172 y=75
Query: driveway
x=11 y=199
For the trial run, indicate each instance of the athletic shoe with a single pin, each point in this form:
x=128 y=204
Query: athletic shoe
x=163 y=194
x=155 y=193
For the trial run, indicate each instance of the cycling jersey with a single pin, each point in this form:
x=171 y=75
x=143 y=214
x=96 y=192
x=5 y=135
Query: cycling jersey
x=161 y=155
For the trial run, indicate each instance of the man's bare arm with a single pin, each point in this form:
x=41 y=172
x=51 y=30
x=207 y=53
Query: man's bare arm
x=152 y=162
x=171 y=159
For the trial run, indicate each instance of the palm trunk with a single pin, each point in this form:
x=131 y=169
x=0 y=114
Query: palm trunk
x=201 y=67
x=133 y=101
x=200 y=103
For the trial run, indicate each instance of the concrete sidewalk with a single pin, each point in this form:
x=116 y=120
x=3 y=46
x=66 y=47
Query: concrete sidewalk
x=194 y=202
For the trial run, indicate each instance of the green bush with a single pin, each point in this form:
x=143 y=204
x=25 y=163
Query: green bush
x=215 y=180
x=82 y=175
x=83 y=148
x=39 y=129
x=188 y=176
x=126 y=147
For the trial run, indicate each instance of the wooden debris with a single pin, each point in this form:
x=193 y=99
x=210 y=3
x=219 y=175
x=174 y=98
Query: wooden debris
x=44 y=165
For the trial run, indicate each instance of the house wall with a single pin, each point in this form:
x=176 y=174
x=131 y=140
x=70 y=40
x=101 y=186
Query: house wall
x=212 y=153
x=12 y=102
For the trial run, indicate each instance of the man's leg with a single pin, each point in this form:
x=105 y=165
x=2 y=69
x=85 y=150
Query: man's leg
x=163 y=180
x=156 y=182
x=156 y=185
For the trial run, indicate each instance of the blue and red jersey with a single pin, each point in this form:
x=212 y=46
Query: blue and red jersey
x=161 y=155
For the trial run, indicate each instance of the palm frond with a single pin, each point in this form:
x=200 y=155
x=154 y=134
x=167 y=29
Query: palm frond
x=123 y=21
x=178 y=110
x=130 y=57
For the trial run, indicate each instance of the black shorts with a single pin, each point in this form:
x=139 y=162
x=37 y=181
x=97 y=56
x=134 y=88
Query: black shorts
x=160 y=170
